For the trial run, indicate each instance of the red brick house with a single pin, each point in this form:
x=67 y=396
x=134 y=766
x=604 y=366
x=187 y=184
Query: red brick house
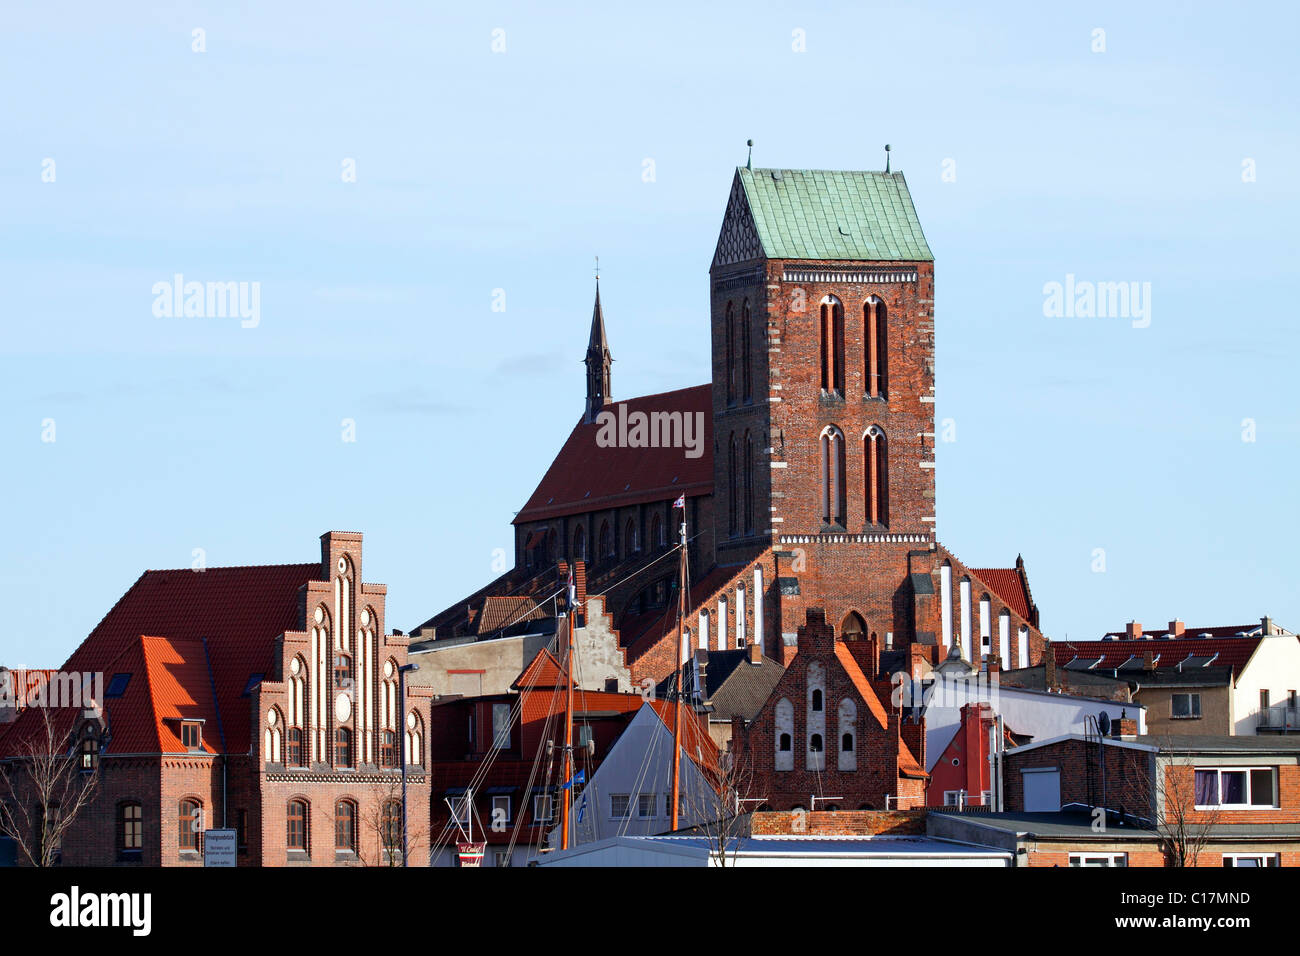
x=806 y=463
x=262 y=699
x=829 y=732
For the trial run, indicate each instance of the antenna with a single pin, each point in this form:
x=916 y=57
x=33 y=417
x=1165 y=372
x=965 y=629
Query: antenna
x=886 y=157
x=749 y=163
x=598 y=268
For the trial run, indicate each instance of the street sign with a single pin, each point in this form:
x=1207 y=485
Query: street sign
x=220 y=848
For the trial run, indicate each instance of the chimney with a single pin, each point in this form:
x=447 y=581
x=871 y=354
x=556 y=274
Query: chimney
x=1148 y=660
x=995 y=666
x=1049 y=668
x=754 y=653
x=1125 y=727
x=1267 y=624
x=1133 y=630
x=1176 y=628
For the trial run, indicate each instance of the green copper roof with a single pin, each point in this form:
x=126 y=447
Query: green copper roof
x=827 y=214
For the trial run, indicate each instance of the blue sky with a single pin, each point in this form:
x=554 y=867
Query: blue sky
x=478 y=170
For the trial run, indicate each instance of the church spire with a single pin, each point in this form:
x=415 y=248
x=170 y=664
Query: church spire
x=597 y=361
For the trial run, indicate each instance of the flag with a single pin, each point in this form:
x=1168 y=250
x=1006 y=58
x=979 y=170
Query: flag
x=680 y=503
x=582 y=805
x=579 y=777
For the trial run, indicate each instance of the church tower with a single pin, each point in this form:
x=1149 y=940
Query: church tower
x=823 y=359
x=598 y=361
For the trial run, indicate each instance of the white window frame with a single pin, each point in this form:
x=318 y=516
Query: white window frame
x=950 y=797
x=1088 y=859
x=614 y=798
x=1263 y=859
x=549 y=804
x=1237 y=806
x=496 y=798
x=644 y=799
x=1194 y=712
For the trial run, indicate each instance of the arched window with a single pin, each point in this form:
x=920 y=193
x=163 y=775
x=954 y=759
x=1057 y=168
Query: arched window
x=296 y=826
x=343 y=747
x=815 y=745
x=833 y=496
x=876 y=342
x=629 y=537
x=733 y=488
x=848 y=728
x=875 y=452
x=816 y=699
x=295 y=747
x=846 y=743
x=606 y=541
x=784 y=734
x=749 y=484
x=345 y=826
x=130 y=829
x=853 y=628
x=832 y=334
x=414 y=740
x=390 y=827
x=579 y=544
x=745 y=358
x=731 y=355
x=189 y=824
x=388 y=749
x=657 y=531
x=342 y=669
x=274 y=735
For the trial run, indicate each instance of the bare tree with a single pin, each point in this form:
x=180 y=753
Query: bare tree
x=1184 y=830
x=46 y=786
x=383 y=820
x=720 y=807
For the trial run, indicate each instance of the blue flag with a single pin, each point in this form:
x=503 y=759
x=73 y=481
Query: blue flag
x=579 y=777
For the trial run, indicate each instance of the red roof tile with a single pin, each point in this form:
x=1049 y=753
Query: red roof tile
x=1007 y=585
x=238 y=610
x=586 y=477
x=1232 y=652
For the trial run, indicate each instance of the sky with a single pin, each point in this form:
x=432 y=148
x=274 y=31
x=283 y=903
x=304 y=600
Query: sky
x=419 y=192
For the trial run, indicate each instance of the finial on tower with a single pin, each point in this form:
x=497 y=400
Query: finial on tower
x=598 y=270
x=886 y=157
x=749 y=163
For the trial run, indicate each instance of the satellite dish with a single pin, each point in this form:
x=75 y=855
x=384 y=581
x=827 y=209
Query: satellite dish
x=1103 y=722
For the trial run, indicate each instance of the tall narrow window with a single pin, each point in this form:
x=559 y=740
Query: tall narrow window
x=345 y=826
x=876 y=473
x=189 y=823
x=296 y=826
x=579 y=544
x=606 y=541
x=733 y=488
x=749 y=484
x=746 y=357
x=629 y=537
x=833 y=497
x=657 y=531
x=343 y=747
x=130 y=830
x=832 y=335
x=876 y=342
x=731 y=355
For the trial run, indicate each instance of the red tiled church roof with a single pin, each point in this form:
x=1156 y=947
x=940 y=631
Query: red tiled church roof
x=586 y=477
x=1006 y=583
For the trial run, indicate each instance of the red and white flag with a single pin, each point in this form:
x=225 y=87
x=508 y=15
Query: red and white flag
x=680 y=503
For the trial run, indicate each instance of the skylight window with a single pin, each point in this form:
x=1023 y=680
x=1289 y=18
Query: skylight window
x=117 y=686
x=253 y=681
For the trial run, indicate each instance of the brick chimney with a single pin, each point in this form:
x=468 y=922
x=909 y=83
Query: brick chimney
x=1176 y=628
x=754 y=654
x=1133 y=630
x=1049 y=668
x=995 y=666
x=1148 y=660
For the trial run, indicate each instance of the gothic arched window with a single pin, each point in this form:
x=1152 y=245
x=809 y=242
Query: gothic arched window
x=745 y=355
x=876 y=342
x=749 y=484
x=657 y=531
x=833 y=497
x=606 y=541
x=875 y=452
x=731 y=355
x=579 y=544
x=832 y=337
x=853 y=628
x=733 y=488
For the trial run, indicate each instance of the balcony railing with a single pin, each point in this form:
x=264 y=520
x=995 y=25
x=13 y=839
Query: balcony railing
x=1280 y=718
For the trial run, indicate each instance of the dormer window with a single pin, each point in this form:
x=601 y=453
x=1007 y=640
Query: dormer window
x=191 y=735
x=89 y=754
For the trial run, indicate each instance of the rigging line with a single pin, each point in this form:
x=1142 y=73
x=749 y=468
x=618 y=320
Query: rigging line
x=536 y=604
x=643 y=568
x=532 y=776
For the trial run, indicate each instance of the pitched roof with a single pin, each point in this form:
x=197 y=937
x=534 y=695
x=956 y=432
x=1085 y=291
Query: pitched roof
x=833 y=214
x=239 y=610
x=1231 y=652
x=1007 y=584
x=587 y=477
x=500 y=611
x=737 y=687
x=907 y=763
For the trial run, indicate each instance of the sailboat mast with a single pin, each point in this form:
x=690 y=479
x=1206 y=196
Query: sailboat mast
x=568 y=717
x=681 y=655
